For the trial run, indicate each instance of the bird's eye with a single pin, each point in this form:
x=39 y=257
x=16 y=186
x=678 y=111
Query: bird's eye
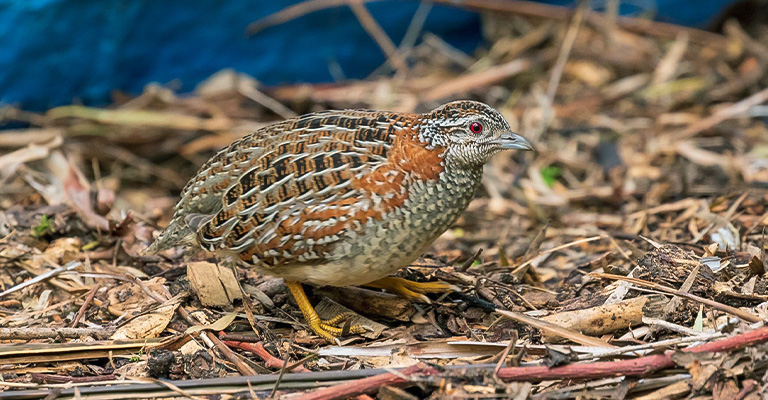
x=476 y=127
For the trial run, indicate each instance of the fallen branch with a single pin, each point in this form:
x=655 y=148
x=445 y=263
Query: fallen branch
x=368 y=385
x=52 y=333
x=270 y=361
x=51 y=378
x=635 y=367
x=603 y=369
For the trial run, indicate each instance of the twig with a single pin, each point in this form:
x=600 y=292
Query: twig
x=602 y=369
x=517 y=7
x=52 y=333
x=84 y=307
x=634 y=367
x=358 y=8
x=299 y=364
x=280 y=375
x=505 y=353
x=140 y=118
x=228 y=385
x=238 y=338
x=662 y=324
x=554 y=329
x=270 y=361
x=557 y=70
x=749 y=386
x=377 y=34
x=292 y=12
x=466 y=264
x=368 y=385
x=561 y=13
x=230 y=355
x=416 y=25
x=611 y=15
x=744 y=315
x=51 y=378
x=480 y=79
x=558 y=248
x=42 y=277
x=737 y=109
x=225 y=351
x=250 y=91
x=648 y=347
x=169 y=385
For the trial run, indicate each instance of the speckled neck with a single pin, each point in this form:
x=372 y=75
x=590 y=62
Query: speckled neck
x=435 y=206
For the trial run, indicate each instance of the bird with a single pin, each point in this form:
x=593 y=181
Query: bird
x=340 y=197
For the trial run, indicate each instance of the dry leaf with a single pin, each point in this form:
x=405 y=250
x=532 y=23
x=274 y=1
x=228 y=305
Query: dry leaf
x=148 y=325
x=220 y=324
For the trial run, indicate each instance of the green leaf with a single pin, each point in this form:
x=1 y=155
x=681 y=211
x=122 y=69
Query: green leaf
x=44 y=227
x=90 y=246
x=550 y=174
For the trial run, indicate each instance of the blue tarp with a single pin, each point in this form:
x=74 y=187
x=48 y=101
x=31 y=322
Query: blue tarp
x=54 y=52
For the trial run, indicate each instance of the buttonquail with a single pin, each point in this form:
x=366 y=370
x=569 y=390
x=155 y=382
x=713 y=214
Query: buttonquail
x=340 y=197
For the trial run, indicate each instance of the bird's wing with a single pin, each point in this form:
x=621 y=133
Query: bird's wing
x=293 y=190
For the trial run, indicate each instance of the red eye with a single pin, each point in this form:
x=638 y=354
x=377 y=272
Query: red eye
x=476 y=127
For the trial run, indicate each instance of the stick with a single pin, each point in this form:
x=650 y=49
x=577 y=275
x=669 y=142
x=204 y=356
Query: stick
x=52 y=333
x=604 y=369
x=368 y=385
x=734 y=110
x=635 y=367
x=225 y=351
x=518 y=7
x=365 y=18
x=554 y=329
x=479 y=79
x=84 y=307
x=51 y=378
x=744 y=315
x=378 y=35
x=270 y=361
x=291 y=13
x=42 y=277
x=557 y=70
x=561 y=13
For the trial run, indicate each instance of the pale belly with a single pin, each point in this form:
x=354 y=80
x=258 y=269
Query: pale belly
x=387 y=245
x=368 y=263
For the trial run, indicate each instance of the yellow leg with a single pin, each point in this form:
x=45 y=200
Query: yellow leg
x=326 y=329
x=413 y=291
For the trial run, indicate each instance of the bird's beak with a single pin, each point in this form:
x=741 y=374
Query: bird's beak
x=513 y=141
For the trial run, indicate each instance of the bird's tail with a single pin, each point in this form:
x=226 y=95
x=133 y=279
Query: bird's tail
x=176 y=234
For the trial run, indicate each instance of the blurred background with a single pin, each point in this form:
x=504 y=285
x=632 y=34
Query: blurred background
x=55 y=52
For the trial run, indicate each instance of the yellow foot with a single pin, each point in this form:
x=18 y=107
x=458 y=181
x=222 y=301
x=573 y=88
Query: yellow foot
x=328 y=329
x=413 y=291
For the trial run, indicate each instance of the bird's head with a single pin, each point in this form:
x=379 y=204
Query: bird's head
x=471 y=132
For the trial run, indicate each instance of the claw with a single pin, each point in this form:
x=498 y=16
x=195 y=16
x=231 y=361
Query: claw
x=328 y=329
x=413 y=291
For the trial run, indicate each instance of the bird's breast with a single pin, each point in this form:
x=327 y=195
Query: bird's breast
x=392 y=242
